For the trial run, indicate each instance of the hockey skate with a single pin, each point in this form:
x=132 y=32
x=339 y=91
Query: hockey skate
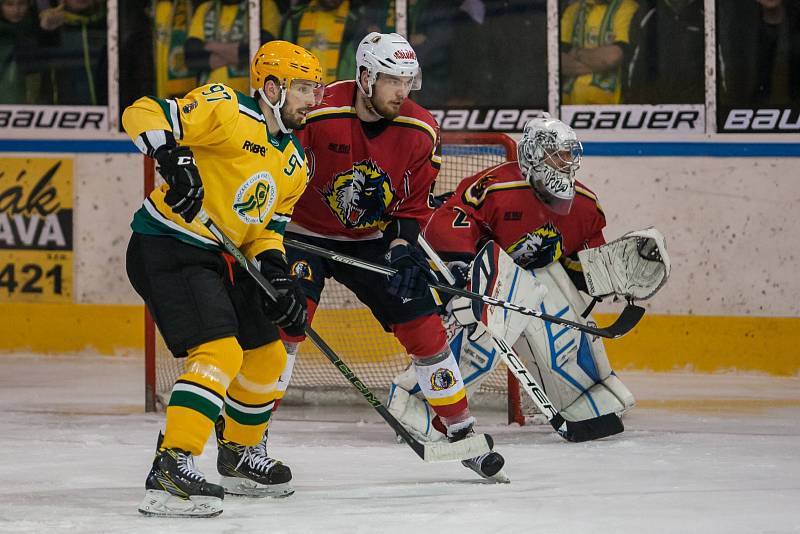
x=489 y=465
x=249 y=471
x=175 y=488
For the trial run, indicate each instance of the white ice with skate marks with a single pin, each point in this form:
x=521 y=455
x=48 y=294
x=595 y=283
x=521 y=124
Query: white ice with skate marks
x=705 y=454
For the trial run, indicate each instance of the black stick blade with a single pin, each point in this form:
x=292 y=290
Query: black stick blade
x=588 y=429
x=630 y=317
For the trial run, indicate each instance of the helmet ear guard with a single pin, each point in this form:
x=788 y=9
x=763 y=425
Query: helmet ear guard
x=549 y=154
x=387 y=53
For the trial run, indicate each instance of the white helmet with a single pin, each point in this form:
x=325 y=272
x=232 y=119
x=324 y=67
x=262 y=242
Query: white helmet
x=389 y=53
x=548 y=154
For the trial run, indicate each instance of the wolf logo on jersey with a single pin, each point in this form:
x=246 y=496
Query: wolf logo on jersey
x=539 y=248
x=360 y=196
x=255 y=197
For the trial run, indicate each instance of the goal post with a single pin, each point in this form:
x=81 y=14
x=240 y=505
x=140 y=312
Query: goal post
x=346 y=324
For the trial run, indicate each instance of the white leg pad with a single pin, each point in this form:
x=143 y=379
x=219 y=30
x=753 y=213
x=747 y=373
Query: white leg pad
x=413 y=412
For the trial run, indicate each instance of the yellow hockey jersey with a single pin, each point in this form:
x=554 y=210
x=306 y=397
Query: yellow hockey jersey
x=251 y=179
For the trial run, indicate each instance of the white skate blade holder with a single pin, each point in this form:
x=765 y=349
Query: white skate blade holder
x=465 y=449
x=164 y=504
x=247 y=488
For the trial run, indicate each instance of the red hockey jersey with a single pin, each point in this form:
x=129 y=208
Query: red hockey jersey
x=362 y=174
x=498 y=204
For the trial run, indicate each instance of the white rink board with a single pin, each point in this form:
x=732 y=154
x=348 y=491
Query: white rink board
x=77 y=448
x=730 y=223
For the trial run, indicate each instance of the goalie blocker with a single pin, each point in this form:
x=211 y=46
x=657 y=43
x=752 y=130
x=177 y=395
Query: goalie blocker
x=571 y=366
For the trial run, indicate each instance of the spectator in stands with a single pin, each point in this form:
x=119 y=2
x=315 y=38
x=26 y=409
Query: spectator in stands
x=498 y=59
x=595 y=44
x=75 y=50
x=18 y=28
x=667 y=64
x=759 y=53
x=171 y=21
x=217 y=49
x=329 y=29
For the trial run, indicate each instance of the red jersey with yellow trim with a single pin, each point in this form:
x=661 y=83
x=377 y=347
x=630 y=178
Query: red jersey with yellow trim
x=498 y=204
x=363 y=174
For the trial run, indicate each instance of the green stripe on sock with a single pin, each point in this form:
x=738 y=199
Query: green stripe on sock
x=250 y=419
x=195 y=402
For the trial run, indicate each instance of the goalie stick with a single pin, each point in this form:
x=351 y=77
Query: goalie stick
x=629 y=317
x=430 y=452
x=575 y=431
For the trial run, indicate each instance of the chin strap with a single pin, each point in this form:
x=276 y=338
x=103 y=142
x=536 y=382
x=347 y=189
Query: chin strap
x=276 y=108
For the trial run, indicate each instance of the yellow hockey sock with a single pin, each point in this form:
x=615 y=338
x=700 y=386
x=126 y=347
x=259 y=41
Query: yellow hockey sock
x=252 y=394
x=198 y=394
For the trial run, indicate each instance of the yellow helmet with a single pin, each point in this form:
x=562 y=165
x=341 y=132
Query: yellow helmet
x=286 y=61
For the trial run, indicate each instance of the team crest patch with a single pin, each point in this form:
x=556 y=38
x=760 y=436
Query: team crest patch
x=302 y=270
x=442 y=378
x=255 y=197
x=187 y=108
x=476 y=193
x=539 y=248
x=360 y=196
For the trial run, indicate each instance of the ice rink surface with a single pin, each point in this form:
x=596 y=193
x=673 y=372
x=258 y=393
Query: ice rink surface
x=700 y=454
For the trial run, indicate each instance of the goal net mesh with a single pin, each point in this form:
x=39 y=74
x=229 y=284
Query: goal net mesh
x=347 y=325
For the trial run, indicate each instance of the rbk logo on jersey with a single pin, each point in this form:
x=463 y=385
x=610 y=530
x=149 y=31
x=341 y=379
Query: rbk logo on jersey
x=360 y=196
x=255 y=197
x=255 y=148
x=539 y=248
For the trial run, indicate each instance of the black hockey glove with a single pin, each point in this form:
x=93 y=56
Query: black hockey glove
x=413 y=272
x=289 y=311
x=185 y=194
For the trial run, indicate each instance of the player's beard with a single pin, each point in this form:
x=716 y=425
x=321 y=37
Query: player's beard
x=387 y=111
x=294 y=120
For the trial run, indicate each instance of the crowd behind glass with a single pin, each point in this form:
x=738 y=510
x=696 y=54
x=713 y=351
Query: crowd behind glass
x=474 y=53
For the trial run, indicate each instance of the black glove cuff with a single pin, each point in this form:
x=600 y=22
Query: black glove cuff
x=407 y=229
x=166 y=148
x=273 y=262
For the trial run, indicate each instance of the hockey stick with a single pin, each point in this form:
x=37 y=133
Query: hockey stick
x=576 y=431
x=430 y=452
x=629 y=317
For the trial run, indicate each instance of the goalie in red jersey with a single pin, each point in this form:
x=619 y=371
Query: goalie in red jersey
x=373 y=158
x=552 y=227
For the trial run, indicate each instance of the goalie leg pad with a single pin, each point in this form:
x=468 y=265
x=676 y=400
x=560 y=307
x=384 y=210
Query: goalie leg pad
x=569 y=362
x=412 y=411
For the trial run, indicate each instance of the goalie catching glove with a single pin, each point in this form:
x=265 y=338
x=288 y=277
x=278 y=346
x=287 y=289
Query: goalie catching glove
x=185 y=195
x=635 y=266
x=289 y=311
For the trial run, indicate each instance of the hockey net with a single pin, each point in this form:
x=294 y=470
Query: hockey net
x=346 y=324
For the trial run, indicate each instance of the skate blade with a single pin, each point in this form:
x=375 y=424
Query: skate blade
x=245 y=487
x=159 y=503
x=498 y=478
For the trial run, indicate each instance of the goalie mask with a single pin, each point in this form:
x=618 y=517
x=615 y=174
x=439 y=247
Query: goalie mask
x=388 y=53
x=549 y=154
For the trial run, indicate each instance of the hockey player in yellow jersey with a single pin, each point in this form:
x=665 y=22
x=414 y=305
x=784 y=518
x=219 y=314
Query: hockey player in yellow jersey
x=236 y=157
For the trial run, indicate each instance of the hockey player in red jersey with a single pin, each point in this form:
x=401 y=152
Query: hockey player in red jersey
x=552 y=226
x=538 y=220
x=373 y=158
